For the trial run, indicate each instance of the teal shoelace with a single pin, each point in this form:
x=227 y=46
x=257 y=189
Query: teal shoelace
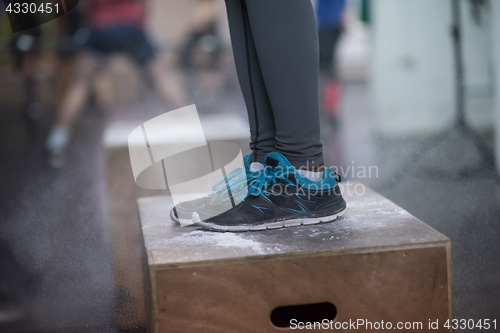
x=238 y=181
x=269 y=175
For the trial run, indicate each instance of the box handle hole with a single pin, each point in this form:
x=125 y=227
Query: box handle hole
x=282 y=315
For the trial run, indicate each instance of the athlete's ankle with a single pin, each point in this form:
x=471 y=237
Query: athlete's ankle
x=314 y=174
x=319 y=168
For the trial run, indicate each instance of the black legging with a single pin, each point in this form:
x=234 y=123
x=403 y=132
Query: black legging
x=275 y=46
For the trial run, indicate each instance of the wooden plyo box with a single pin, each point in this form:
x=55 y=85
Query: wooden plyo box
x=376 y=263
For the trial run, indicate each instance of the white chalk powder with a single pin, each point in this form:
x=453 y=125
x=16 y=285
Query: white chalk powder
x=203 y=239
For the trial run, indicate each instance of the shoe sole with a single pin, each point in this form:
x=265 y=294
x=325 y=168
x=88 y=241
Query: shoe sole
x=173 y=217
x=274 y=225
x=182 y=222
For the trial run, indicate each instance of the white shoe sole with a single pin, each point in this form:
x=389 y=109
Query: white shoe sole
x=273 y=225
x=173 y=217
x=182 y=222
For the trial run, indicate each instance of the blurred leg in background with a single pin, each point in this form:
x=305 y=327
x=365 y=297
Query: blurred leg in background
x=72 y=105
x=329 y=17
x=168 y=87
x=67 y=50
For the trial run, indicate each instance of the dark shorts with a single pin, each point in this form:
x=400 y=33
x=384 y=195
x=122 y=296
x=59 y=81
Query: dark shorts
x=126 y=39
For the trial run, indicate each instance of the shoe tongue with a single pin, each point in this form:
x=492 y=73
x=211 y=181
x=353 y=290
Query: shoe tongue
x=247 y=161
x=276 y=159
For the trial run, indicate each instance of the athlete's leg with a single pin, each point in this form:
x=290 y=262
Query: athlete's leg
x=74 y=102
x=285 y=37
x=262 y=127
x=168 y=85
x=70 y=110
x=136 y=43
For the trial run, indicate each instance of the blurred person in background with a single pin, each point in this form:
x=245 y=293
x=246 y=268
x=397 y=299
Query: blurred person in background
x=67 y=49
x=110 y=26
x=330 y=21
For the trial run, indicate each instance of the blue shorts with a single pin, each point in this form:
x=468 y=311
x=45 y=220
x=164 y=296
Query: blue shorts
x=126 y=39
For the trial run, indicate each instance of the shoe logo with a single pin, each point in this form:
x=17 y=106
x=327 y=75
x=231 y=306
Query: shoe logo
x=303 y=209
x=261 y=209
x=299 y=195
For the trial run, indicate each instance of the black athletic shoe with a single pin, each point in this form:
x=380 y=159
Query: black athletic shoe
x=238 y=180
x=281 y=197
